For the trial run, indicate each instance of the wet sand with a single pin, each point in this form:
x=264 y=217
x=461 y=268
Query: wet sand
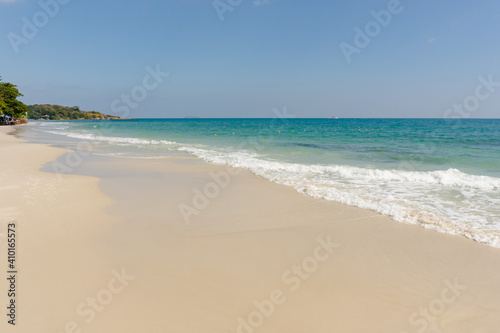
x=121 y=246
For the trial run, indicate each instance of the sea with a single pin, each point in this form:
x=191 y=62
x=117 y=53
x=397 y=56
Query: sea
x=442 y=174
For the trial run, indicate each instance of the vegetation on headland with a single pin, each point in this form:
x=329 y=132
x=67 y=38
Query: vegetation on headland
x=13 y=111
x=58 y=112
x=9 y=105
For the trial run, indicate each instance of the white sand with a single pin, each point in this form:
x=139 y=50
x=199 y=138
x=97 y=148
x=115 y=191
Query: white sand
x=201 y=277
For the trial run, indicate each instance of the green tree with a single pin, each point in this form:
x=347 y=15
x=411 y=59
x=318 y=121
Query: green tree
x=9 y=104
x=3 y=106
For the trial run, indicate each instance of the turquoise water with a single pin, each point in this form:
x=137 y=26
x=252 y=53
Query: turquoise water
x=442 y=174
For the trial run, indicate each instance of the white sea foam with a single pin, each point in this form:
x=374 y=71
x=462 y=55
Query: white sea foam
x=54 y=125
x=112 y=139
x=449 y=201
x=50 y=124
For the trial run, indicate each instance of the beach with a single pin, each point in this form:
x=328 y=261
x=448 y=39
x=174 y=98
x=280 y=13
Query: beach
x=136 y=244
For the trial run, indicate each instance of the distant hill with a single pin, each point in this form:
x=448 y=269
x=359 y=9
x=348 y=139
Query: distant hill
x=58 y=112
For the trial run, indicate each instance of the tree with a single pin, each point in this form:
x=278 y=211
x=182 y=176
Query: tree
x=9 y=104
x=3 y=106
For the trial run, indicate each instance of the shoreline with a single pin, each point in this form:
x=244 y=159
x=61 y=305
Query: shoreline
x=239 y=250
x=445 y=195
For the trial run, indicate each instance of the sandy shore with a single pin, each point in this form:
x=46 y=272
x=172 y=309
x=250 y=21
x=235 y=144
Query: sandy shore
x=124 y=248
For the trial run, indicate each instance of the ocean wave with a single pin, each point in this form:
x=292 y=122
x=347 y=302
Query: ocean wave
x=52 y=123
x=112 y=139
x=448 y=178
x=448 y=201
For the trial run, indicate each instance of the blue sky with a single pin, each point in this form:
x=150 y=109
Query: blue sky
x=263 y=55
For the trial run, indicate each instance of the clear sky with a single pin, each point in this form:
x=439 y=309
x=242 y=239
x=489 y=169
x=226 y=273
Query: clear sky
x=264 y=54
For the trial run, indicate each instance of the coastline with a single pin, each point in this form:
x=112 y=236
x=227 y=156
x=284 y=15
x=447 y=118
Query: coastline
x=238 y=251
